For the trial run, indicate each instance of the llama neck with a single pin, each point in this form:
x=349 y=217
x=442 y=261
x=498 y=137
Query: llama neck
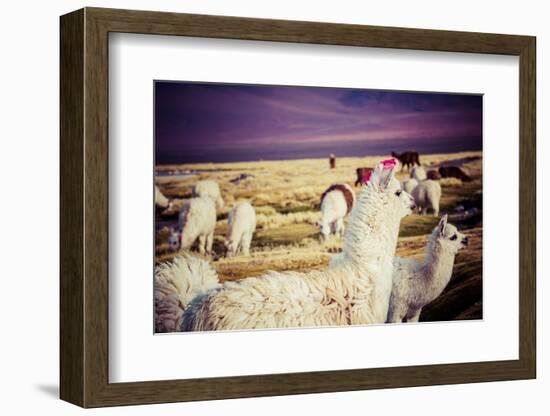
x=437 y=267
x=371 y=237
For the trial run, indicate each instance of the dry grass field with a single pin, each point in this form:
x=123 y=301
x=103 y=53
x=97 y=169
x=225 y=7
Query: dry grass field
x=286 y=197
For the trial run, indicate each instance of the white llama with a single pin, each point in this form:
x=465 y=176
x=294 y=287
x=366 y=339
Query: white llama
x=209 y=189
x=355 y=292
x=197 y=221
x=415 y=284
x=427 y=195
x=336 y=203
x=241 y=224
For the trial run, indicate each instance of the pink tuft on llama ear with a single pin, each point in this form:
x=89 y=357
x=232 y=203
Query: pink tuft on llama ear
x=389 y=164
x=385 y=171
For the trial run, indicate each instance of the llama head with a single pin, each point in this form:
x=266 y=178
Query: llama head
x=448 y=236
x=388 y=189
x=174 y=240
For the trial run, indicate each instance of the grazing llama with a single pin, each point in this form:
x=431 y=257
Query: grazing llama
x=336 y=203
x=427 y=195
x=209 y=189
x=407 y=159
x=454 y=172
x=241 y=224
x=433 y=174
x=363 y=175
x=197 y=220
x=415 y=284
x=355 y=292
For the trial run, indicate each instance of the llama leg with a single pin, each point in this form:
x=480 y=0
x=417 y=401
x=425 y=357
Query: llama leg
x=334 y=227
x=209 y=242
x=342 y=227
x=237 y=243
x=414 y=317
x=245 y=243
x=397 y=312
x=202 y=244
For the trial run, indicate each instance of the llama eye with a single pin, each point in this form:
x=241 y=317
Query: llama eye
x=397 y=193
x=454 y=237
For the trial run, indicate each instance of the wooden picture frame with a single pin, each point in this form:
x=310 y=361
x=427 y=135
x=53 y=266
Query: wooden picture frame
x=84 y=207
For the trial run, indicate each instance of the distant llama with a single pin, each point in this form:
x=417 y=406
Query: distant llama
x=427 y=196
x=241 y=224
x=363 y=175
x=356 y=292
x=433 y=174
x=332 y=161
x=454 y=172
x=197 y=221
x=336 y=203
x=407 y=159
x=415 y=284
x=209 y=189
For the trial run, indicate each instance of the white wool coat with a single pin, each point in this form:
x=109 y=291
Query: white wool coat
x=427 y=195
x=197 y=221
x=355 y=292
x=415 y=283
x=175 y=285
x=241 y=223
x=209 y=189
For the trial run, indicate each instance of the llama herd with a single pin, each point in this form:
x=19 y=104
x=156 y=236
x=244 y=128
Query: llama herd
x=197 y=221
x=337 y=201
x=364 y=284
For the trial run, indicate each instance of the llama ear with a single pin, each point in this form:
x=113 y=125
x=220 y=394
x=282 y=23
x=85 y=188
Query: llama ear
x=442 y=224
x=388 y=177
x=385 y=174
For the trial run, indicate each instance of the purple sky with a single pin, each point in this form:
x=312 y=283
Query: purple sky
x=197 y=122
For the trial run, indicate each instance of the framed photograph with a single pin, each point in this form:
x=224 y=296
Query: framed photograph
x=262 y=207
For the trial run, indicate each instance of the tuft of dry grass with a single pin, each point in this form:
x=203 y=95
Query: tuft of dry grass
x=276 y=220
